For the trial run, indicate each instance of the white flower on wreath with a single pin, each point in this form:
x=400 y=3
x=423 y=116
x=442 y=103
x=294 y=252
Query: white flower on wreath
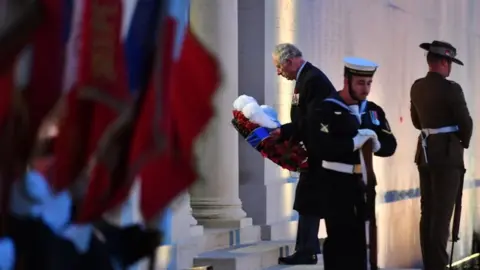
x=242 y=101
x=264 y=115
x=272 y=113
x=255 y=113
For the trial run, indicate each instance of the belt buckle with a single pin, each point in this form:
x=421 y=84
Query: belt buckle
x=357 y=169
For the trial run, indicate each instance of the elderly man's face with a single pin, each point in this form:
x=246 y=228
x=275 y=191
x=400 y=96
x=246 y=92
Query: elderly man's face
x=284 y=69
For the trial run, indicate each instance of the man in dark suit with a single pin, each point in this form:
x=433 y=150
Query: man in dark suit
x=312 y=86
x=439 y=111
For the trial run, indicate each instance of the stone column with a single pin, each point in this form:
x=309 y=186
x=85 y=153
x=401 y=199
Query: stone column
x=267 y=198
x=215 y=200
x=268 y=191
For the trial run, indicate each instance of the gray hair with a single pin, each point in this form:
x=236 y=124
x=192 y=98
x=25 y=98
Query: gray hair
x=285 y=51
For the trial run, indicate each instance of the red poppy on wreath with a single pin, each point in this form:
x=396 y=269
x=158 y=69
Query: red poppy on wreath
x=287 y=154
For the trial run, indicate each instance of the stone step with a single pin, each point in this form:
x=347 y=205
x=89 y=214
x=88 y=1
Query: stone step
x=224 y=238
x=256 y=256
x=319 y=266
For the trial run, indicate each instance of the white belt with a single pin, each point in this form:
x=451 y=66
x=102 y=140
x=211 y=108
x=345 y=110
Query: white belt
x=432 y=131
x=342 y=167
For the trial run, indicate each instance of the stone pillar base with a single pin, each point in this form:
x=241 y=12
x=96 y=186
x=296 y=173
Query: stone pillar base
x=196 y=230
x=225 y=224
x=219 y=213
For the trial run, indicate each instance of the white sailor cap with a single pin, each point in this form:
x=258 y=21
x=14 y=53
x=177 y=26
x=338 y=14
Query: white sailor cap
x=359 y=66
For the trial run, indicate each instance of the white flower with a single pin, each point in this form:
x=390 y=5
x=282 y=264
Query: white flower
x=255 y=114
x=270 y=111
x=242 y=101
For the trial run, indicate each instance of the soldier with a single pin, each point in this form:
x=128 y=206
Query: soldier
x=311 y=86
x=343 y=123
x=439 y=111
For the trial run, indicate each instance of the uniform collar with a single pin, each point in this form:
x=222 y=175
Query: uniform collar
x=300 y=70
x=435 y=74
x=362 y=105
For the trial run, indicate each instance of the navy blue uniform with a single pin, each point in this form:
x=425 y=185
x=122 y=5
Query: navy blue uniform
x=332 y=142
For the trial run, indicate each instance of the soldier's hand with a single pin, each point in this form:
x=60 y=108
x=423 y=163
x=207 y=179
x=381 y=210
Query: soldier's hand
x=376 y=144
x=359 y=140
x=368 y=132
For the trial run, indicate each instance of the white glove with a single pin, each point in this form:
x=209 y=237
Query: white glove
x=359 y=140
x=367 y=132
x=376 y=145
x=363 y=136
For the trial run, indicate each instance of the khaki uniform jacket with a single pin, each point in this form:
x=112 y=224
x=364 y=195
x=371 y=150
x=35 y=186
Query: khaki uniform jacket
x=436 y=102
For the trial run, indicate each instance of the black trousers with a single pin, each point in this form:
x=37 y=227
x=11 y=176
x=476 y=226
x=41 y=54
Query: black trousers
x=307 y=235
x=438 y=189
x=345 y=246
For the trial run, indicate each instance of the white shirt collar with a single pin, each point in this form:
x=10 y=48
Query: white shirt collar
x=300 y=70
x=356 y=111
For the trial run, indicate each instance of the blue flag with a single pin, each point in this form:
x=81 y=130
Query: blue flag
x=139 y=41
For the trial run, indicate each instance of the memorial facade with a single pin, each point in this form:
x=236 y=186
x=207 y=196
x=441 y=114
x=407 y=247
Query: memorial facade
x=242 y=198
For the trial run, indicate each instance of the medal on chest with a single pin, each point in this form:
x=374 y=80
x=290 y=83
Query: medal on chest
x=374 y=118
x=295 y=98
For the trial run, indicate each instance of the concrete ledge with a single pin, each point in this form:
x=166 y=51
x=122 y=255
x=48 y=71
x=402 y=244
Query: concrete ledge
x=318 y=266
x=222 y=224
x=224 y=238
x=255 y=256
x=286 y=230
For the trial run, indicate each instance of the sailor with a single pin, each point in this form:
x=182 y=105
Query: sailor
x=344 y=123
x=439 y=111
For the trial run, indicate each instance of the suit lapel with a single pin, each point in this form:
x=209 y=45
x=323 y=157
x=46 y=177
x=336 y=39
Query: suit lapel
x=298 y=83
x=304 y=71
x=299 y=89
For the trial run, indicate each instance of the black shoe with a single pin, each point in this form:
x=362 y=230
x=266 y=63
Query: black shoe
x=298 y=258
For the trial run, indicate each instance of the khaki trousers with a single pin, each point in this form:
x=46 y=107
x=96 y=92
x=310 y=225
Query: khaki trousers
x=438 y=190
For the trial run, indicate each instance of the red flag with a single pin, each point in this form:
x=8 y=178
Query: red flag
x=175 y=109
x=174 y=114
x=6 y=92
x=95 y=103
x=45 y=84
